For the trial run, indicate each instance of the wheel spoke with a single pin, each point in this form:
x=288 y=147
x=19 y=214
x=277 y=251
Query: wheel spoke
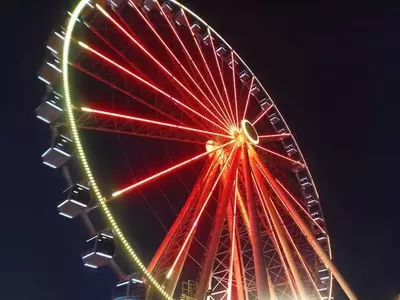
x=281 y=156
x=133 y=118
x=187 y=54
x=166 y=171
x=221 y=75
x=209 y=72
x=157 y=62
x=83 y=45
x=248 y=98
x=301 y=207
x=262 y=114
x=234 y=87
x=122 y=91
x=273 y=137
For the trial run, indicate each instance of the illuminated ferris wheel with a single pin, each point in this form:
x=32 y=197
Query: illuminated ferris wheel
x=178 y=161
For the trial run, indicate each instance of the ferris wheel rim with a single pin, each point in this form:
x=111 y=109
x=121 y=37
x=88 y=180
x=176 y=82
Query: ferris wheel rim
x=82 y=157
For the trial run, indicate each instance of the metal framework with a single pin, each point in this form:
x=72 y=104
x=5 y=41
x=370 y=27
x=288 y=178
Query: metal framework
x=251 y=226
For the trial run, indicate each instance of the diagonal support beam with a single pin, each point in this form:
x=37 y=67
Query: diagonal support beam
x=279 y=231
x=219 y=220
x=304 y=228
x=255 y=233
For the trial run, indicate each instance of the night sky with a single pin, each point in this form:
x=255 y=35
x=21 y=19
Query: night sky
x=333 y=70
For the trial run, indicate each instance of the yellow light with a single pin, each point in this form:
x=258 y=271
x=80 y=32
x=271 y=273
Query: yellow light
x=251 y=137
x=81 y=154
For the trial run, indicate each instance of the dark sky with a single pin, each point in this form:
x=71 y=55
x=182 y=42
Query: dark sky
x=333 y=70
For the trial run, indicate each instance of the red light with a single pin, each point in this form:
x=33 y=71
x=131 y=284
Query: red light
x=209 y=73
x=248 y=98
x=221 y=75
x=148 y=84
x=273 y=137
x=111 y=114
x=263 y=114
x=159 y=174
x=281 y=156
x=234 y=88
x=174 y=56
x=299 y=205
x=199 y=215
x=137 y=43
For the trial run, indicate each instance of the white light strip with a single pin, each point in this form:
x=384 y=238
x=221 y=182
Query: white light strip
x=65 y=215
x=62 y=152
x=54 y=92
x=82 y=187
x=91 y=238
x=323 y=270
x=122 y=283
x=53 y=105
x=106 y=235
x=87 y=255
x=47 y=152
x=54 y=67
x=78 y=203
x=50 y=165
x=44 y=80
x=43 y=119
x=324 y=278
x=63 y=136
x=91 y=266
x=62 y=203
x=59 y=35
x=104 y=255
x=51 y=49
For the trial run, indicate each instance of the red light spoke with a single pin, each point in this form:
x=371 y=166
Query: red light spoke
x=301 y=206
x=163 y=68
x=281 y=156
x=221 y=75
x=111 y=114
x=148 y=84
x=174 y=56
x=136 y=98
x=248 y=98
x=208 y=71
x=118 y=52
x=234 y=88
x=263 y=114
x=200 y=214
x=166 y=171
x=273 y=137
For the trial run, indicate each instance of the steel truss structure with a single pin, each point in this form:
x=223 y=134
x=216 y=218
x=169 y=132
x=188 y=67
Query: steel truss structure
x=251 y=226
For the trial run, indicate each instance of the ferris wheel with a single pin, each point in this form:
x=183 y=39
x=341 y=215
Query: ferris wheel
x=178 y=161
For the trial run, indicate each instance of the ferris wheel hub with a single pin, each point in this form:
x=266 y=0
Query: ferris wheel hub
x=249 y=132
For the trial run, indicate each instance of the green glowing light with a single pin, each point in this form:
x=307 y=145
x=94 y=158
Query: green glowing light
x=81 y=154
